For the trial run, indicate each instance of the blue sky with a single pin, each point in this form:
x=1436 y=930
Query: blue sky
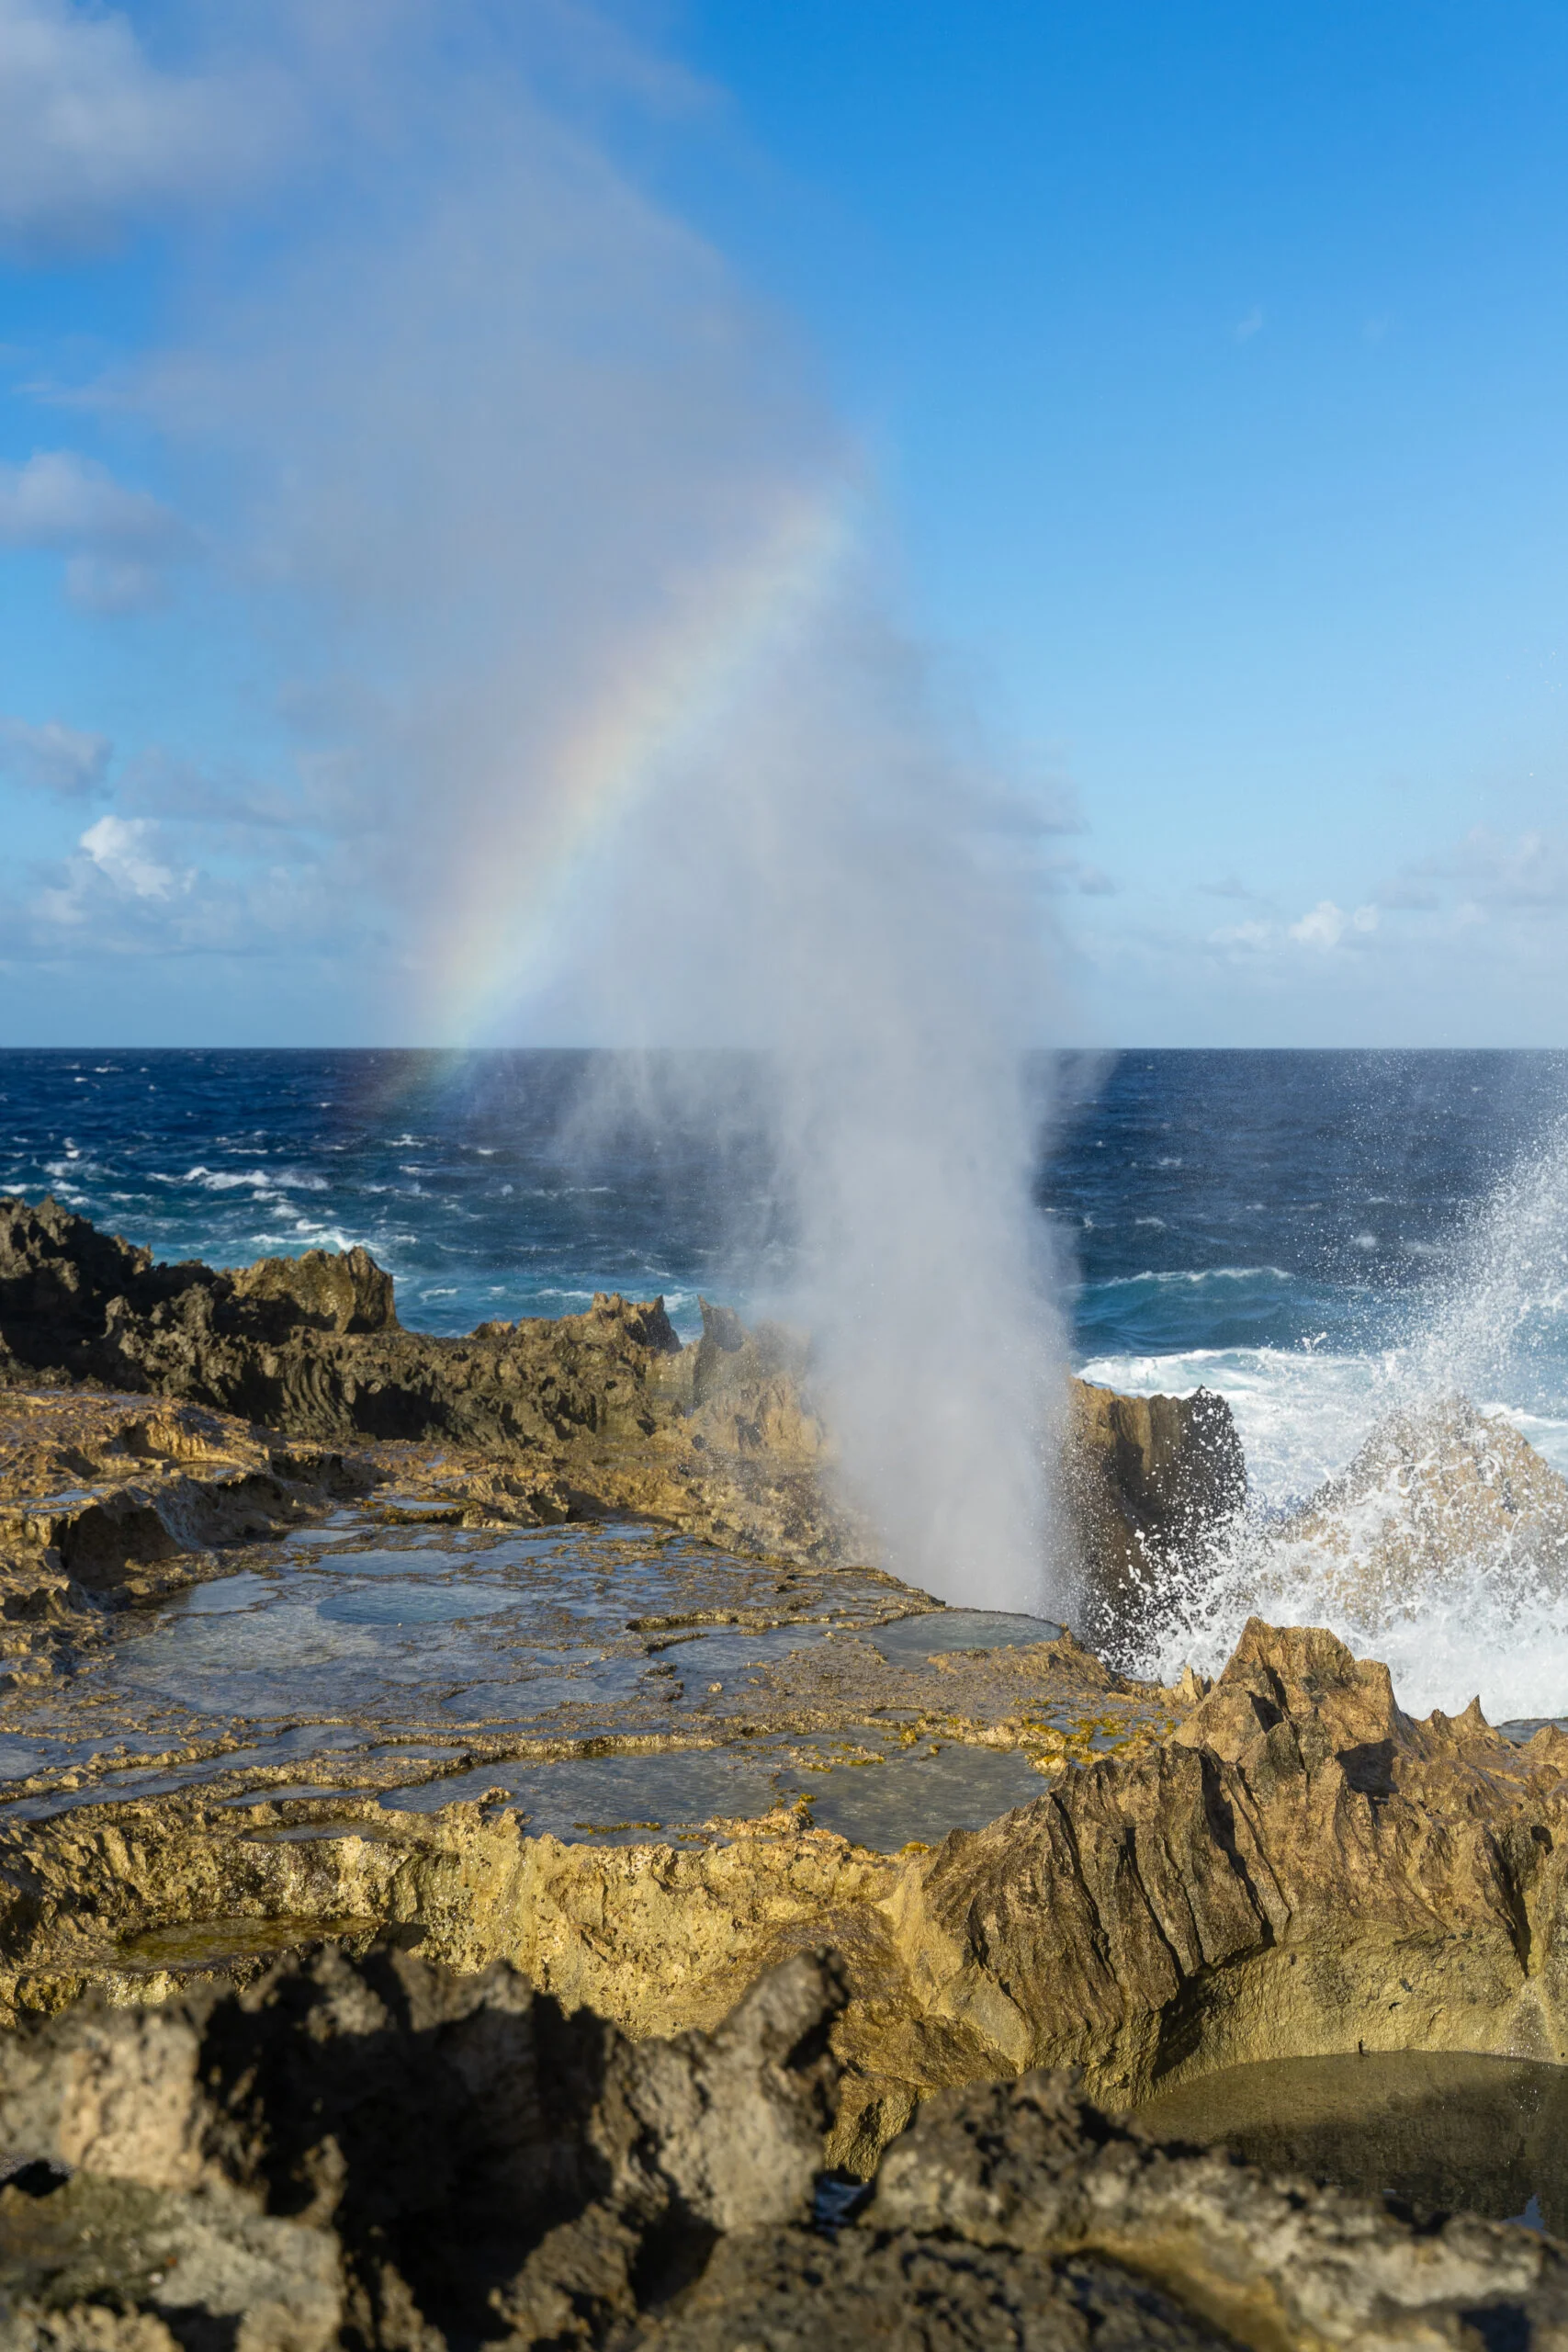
x=1201 y=370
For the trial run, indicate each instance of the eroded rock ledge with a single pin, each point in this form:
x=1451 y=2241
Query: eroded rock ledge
x=599 y=1411
x=1301 y=1869
x=372 y=2151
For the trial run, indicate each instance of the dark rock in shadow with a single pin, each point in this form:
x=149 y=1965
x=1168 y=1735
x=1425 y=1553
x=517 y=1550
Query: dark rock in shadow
x=377 y=2153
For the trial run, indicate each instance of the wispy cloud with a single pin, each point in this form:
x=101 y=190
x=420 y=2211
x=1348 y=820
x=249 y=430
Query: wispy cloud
x=1245 y=328
x=93 y=132
x=53 y=758
x=1323 y=929
x=158 y=783
x=1059 y=875
x=1520 y=873
x=1328 y=926
x=1249 y=934
x=118 y=542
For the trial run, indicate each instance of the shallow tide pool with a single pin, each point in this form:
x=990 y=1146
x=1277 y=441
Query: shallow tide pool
x=1442 y=2130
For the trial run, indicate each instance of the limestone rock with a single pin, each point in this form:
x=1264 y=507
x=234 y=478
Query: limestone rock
x=1304 y=1869
x=421 y=2157
x=107 y=1501
x=606 y=1405
x=325 y=1290
x=1032 y=2167
x=376 y=2150
x=1301 y=1869
x=782 y=2290
x=721 y=1437
x=104 y=2249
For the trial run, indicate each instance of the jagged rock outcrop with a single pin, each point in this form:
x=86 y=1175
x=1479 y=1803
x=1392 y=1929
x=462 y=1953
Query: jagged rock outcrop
x=1301 y=1869
x=379 y=2151
x=107 y=1501
x=1147 y=1482
x=313 y=1346
x=606 y=1404
x=373 y=2150
x=721 y=1436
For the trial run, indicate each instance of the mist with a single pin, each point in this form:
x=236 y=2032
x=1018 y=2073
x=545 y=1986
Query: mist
x=588 y=716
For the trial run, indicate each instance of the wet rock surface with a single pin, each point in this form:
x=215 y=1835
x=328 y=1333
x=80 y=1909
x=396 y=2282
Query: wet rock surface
x=570 y=1417
x=366 y=2149
x=1298 y=1869
x=611 y=1679
x=108 y=1502
x=1149 y=1484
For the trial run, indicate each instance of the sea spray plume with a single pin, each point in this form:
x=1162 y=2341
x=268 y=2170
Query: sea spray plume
x=906 y=929
x=510 y=480
x=1500 y=1333
x=601 y=733
x=843 y=877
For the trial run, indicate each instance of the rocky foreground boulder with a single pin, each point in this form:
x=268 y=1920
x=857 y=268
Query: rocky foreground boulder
x=372 y=2151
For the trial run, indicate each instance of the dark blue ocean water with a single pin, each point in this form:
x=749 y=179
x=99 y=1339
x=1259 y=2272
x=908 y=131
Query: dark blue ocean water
x=497 y=1184
x=1240 y=1199
x=1273 y=1223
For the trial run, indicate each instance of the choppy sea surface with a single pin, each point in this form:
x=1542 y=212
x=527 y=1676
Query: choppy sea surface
x=500 y=1184
x=1277 y=1225
x=1318 y=1236
x=1300 y=1230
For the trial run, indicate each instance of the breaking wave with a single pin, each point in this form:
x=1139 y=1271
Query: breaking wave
x=1414 y=1497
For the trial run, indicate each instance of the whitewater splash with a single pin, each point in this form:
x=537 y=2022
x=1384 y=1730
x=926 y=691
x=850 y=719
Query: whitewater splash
x=1412 y=1498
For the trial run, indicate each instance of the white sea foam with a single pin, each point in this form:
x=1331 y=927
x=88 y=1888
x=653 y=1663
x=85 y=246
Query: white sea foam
x=1191 y=1278
x=265 y=1181
x=1478 y=1621
x=1300 y=1412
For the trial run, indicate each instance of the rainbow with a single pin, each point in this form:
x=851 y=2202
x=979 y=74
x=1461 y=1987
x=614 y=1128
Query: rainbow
x=668 y=694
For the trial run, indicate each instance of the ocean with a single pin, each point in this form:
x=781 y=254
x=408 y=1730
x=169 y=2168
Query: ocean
x=1294 y=1229
x=1315 y=1235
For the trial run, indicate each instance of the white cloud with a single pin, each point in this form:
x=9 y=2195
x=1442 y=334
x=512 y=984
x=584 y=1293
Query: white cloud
x=1326 y=925
x=1528 y=871
x=1252 y=324
x=52 y=758
x=1243 y=934
x=92 y=129
x=117 y=539
x=59 y=499
x=128 y=891
x=123 y=849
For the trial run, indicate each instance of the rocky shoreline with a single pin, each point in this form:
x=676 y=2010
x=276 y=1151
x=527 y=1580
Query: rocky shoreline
x=240 y=2167
x=406 y=1861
